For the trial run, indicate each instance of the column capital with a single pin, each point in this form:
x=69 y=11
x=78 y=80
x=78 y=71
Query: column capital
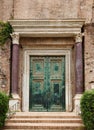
x=15 y=38
x=78 y=37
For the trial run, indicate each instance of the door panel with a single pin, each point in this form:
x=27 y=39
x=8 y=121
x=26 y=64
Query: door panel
x=47 y=83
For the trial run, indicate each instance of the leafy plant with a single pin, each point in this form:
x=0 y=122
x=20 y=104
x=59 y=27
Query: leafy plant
x=5 y=31
x=87 y=109
x=4 y=101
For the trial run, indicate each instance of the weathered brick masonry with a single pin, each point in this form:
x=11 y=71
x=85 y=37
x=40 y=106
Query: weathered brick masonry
x=89 y=56
x=5 y=68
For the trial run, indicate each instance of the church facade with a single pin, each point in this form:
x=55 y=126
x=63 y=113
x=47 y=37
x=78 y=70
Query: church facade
x=49 y=61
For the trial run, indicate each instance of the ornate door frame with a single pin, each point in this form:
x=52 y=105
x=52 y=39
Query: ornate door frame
x=46 y=52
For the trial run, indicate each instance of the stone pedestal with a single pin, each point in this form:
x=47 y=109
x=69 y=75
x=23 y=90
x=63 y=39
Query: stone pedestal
x=14 y=105
x=77 y=99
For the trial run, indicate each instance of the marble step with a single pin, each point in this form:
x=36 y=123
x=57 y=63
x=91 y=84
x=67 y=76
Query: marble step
x=44 y=120
x=42 y=126
x=45 y=115
x=51 y=129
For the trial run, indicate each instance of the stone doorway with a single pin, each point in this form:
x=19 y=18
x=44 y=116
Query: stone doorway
x=66 y=29
x=38 y=66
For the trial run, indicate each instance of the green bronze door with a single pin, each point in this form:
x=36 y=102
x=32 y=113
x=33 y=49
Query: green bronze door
x=47 y=83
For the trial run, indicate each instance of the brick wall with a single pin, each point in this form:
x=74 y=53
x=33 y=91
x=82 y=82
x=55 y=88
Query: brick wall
x=5 y=67
x=89 y=56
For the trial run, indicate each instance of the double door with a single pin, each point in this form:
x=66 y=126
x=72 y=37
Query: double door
x=47 y=83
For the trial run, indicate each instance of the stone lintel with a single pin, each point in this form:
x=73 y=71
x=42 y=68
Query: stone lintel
x=47 y=28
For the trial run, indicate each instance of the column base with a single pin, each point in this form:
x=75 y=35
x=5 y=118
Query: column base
x=77 y=99
x=14 y=103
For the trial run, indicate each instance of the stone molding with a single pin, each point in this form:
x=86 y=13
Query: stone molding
x=47 y=28
x=15 y=38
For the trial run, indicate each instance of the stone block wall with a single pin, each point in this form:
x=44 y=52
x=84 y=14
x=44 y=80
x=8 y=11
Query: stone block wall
x=53 y=9
x=50 y=9
x=6 y=9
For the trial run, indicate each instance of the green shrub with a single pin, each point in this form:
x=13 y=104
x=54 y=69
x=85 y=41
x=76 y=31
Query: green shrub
x=4 y=101
x=5 y=30
x=87 y=109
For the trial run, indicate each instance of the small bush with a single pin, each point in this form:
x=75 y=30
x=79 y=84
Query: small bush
x=5 y=30
x=4 y=101
x=87 y=109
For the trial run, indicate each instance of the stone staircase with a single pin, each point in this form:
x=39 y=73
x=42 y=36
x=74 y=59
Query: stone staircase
x=44 y=121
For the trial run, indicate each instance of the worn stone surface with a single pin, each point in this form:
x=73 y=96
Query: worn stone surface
x=56 y=9
x=89 y=56
x=6 y=9
x=85 y=9
x=1 y=10
x=5 y=67
x=40 y=9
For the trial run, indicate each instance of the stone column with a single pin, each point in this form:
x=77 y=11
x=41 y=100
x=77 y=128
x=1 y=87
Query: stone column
x=15 y=62
x=78 y=72
x=15 y=71
x=79 y=64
